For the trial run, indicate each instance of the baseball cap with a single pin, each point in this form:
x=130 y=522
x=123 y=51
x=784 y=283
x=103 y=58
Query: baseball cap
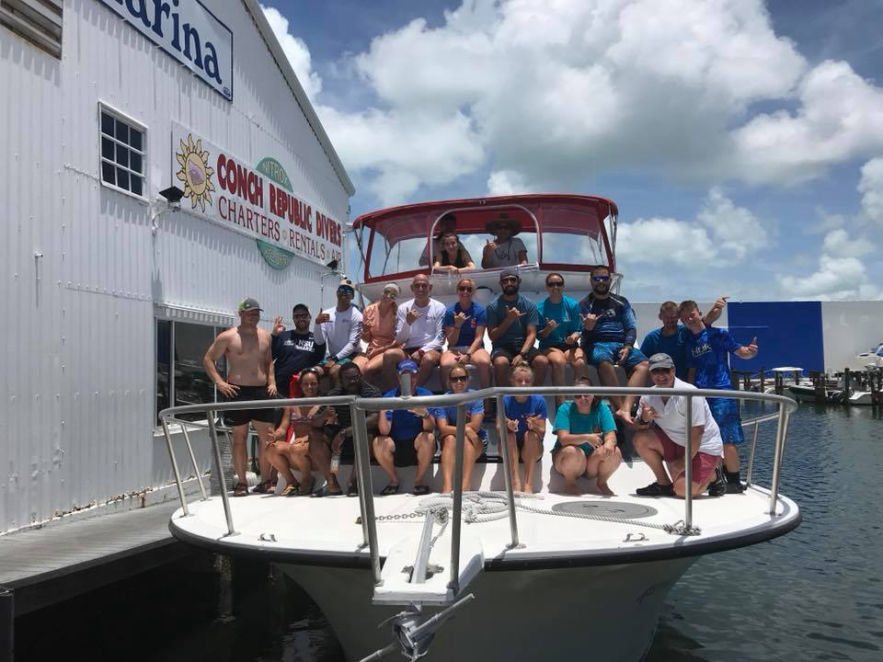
x=406 y=365
x=249 y=304
x=660 y=361
x=508 y=271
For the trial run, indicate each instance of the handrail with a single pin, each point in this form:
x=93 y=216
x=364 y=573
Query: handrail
x=359 y=407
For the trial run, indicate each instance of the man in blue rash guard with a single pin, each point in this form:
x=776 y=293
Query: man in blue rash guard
x=608 y=338
x=707 y=350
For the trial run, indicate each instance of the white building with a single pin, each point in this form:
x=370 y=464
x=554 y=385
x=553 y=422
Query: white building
x=112 y=296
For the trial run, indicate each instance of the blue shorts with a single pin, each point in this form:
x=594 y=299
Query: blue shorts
x=609 y=352
x=726 y=415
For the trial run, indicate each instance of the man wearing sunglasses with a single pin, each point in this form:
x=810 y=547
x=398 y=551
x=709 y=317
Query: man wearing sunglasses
x=420 y=328
x=608 y=338
x=512 y=327
x=341 y=329
x=464 y=326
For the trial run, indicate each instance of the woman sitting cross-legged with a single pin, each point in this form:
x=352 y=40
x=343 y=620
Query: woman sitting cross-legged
x=446 y=424
x=291 y=446
x=586 y=441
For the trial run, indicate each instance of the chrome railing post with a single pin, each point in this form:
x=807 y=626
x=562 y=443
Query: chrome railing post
x=366 y=489
x=213 y=432
x=507 y=465
x=751 y=454
x=165 y=429
x=193 y=460
x=357 y=470
x=688 y=466
x=777 y=459
x=454 y=584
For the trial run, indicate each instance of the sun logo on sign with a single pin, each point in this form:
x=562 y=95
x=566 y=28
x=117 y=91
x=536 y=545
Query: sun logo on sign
x=195 y=173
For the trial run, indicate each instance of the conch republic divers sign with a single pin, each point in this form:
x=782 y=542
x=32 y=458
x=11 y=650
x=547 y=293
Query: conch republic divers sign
x=188 y=32
x=258 y=201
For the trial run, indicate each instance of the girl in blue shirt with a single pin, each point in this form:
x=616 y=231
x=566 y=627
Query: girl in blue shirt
x=446 y=424
x=525 y=428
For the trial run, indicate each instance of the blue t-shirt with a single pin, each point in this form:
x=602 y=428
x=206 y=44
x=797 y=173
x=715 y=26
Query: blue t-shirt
x=535 y=405
x=674 y=345
x=477 y=317
x=598 y=420
x=450 y=413
x=565 y=313
x=708 y=351
x=517 y=331
x=405 y=424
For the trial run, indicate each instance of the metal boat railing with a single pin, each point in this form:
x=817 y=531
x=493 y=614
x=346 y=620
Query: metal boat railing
x=360 y=406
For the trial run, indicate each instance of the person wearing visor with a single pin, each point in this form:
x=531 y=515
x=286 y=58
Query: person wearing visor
x=608 y=338
x=661 y=438
x=464 y=325
x=405 y=435
x=341 y=329
x=383 y=352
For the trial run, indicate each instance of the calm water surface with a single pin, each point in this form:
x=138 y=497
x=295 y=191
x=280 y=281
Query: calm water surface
x=814 y=594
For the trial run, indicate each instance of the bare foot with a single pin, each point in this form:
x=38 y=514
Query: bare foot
x=604 y=489
x=625 y=416
x=528 y=488
x=516 y=485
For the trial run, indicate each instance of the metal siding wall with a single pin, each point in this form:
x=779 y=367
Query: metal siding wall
x=78 y=397
x=789 y=333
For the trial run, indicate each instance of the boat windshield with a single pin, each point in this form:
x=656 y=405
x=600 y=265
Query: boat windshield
x=570 y=232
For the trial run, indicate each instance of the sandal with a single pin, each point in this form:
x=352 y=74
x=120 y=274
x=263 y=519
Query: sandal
x=420 y=490
x=266 y=487
x=326 y=491
x=290 y=490
x=655 y=490
x=390 y=489
x=240 y=490
x=304 y=490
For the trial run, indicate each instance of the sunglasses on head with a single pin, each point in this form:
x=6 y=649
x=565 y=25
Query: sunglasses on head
x=600 y=278
x=464 y=288
x=459 y=378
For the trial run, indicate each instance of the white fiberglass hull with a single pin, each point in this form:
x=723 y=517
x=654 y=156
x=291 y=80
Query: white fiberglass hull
x=605 y=612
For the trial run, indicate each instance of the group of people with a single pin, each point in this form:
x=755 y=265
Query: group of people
x=405 y=342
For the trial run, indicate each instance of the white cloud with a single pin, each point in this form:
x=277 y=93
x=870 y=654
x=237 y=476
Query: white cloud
x=296 y=51
x=871 y=188
x=840 y=276
x=721 y=235
x=506 y=182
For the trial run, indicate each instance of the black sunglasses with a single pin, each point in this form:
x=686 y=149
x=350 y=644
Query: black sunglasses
x=555 y=283
x=460 y=378
x=600 y=278
x=464 y=288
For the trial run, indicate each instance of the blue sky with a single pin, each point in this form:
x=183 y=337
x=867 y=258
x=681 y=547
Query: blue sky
x=742 y=140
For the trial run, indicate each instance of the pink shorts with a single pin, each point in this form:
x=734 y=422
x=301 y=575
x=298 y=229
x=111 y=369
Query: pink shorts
x=703 y=463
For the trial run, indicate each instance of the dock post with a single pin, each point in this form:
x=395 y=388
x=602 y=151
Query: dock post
x=224 y=570
x=818 y=385
x=847 y=383
x=7 y=624
x=763 y=380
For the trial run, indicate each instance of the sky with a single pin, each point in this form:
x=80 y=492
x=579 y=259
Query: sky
x=741 y=140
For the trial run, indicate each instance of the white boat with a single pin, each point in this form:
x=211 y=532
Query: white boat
x=489 y=575
x=871 y=359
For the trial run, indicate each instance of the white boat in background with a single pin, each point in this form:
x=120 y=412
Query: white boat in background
x=871 y=359
x=488 y=575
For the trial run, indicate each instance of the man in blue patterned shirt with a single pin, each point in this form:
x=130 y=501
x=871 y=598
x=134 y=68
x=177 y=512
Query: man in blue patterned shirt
x=608 y=338
x=707 y=357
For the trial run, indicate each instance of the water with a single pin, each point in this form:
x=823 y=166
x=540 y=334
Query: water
x=814 y=594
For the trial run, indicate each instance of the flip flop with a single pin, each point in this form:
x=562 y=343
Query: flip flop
x=326 y=491
x=304 y=490
x=420 y=490
x=390 y=489
x=289 y=490
x=240 y=490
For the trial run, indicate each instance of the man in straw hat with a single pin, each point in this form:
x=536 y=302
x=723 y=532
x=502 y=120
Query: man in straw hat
x=505 y=250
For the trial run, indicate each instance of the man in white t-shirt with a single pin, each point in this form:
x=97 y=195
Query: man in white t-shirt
x=341 y=327
x=661 y=437
x=420 y=328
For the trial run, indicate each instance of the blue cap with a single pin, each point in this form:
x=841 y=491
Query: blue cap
x=407 y=365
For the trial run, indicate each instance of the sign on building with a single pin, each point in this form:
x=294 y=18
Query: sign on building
x=257 y=200
x=188 y=32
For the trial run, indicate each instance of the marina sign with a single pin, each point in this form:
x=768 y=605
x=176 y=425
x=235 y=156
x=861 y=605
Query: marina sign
x=188 y=32
x=258 y=201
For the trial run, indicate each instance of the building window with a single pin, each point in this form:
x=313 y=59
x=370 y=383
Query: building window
x=181 y=378
x=122 y=153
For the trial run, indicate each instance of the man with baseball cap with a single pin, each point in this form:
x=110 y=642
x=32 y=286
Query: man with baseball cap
x=250 y=376
x=661 y=437
x=341 y=329
x=406 y=436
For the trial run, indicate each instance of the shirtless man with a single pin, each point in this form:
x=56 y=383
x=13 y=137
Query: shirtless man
x=250 y=376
